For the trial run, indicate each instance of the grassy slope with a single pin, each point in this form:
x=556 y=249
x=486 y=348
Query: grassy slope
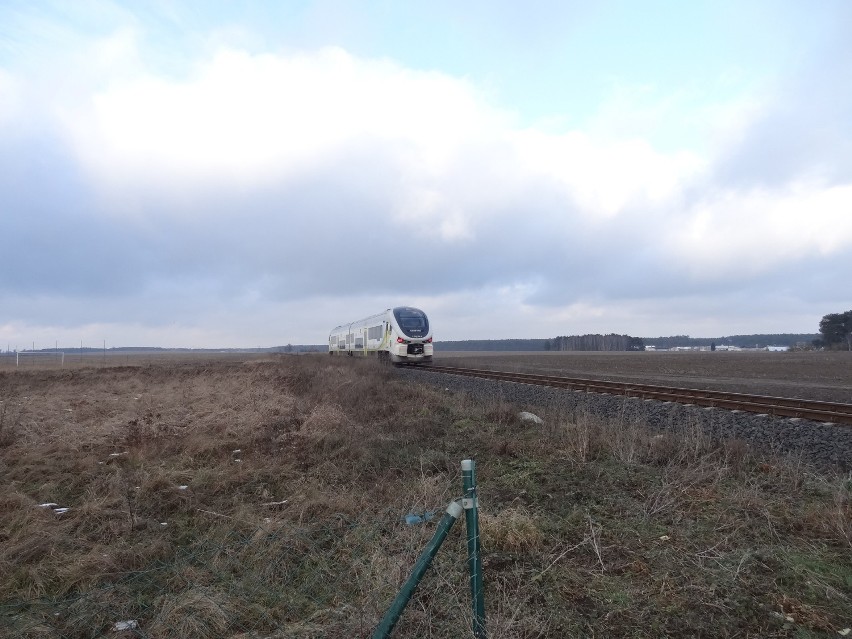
x=589 y=528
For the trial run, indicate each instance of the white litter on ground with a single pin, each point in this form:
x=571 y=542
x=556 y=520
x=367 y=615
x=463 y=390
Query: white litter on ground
x=524 y=416
x=56 y=509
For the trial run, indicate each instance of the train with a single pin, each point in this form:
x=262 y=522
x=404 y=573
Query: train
x=400 y=335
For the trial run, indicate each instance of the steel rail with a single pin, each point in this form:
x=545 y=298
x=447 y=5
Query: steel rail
x=832 y=412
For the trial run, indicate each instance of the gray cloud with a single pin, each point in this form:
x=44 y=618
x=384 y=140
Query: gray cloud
x=54 y=240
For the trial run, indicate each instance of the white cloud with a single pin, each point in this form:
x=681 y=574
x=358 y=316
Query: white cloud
x=253 y=119
x=10 y=98
x=247 y=120
x=746 y=233
x=604 y=177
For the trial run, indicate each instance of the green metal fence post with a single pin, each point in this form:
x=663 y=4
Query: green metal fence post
x=393 y=614
x=474 y=558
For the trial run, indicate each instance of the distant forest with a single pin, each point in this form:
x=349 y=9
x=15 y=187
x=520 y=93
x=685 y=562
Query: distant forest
x=597 y=342
x=591 y=342
x=564 y=343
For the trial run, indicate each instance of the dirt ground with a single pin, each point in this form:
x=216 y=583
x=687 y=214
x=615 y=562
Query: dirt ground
x=825 y=376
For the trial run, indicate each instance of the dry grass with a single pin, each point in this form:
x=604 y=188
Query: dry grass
x=512 y=530
x=266 y=498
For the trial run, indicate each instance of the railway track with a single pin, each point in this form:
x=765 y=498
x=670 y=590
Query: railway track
x=830 y=412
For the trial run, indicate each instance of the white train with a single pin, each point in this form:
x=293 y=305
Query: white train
x=399 y=335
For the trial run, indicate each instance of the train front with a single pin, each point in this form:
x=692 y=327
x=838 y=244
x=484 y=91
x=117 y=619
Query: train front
x=411 y=336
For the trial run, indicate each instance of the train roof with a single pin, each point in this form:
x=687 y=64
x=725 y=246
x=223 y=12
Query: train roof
x=377 y=317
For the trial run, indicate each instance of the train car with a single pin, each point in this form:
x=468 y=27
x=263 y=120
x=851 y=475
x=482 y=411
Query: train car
x=401 y=335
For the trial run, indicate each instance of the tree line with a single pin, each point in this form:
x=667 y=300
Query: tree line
x=835 y=331
x=611 y=342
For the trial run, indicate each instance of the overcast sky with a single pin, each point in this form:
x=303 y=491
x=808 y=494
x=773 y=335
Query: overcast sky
x=225 y=174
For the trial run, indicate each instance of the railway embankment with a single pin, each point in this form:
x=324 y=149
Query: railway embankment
x=823 y=445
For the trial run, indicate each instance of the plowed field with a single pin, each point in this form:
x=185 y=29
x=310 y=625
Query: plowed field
x=825 y=376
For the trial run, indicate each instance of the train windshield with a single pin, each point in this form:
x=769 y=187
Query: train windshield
x=412 y=321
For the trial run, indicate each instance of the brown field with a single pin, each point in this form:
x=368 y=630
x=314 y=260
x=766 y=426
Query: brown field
x=257 y=496
x=825 y=376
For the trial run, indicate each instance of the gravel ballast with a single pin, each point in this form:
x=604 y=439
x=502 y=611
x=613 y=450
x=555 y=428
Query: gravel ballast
x=827 y=446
